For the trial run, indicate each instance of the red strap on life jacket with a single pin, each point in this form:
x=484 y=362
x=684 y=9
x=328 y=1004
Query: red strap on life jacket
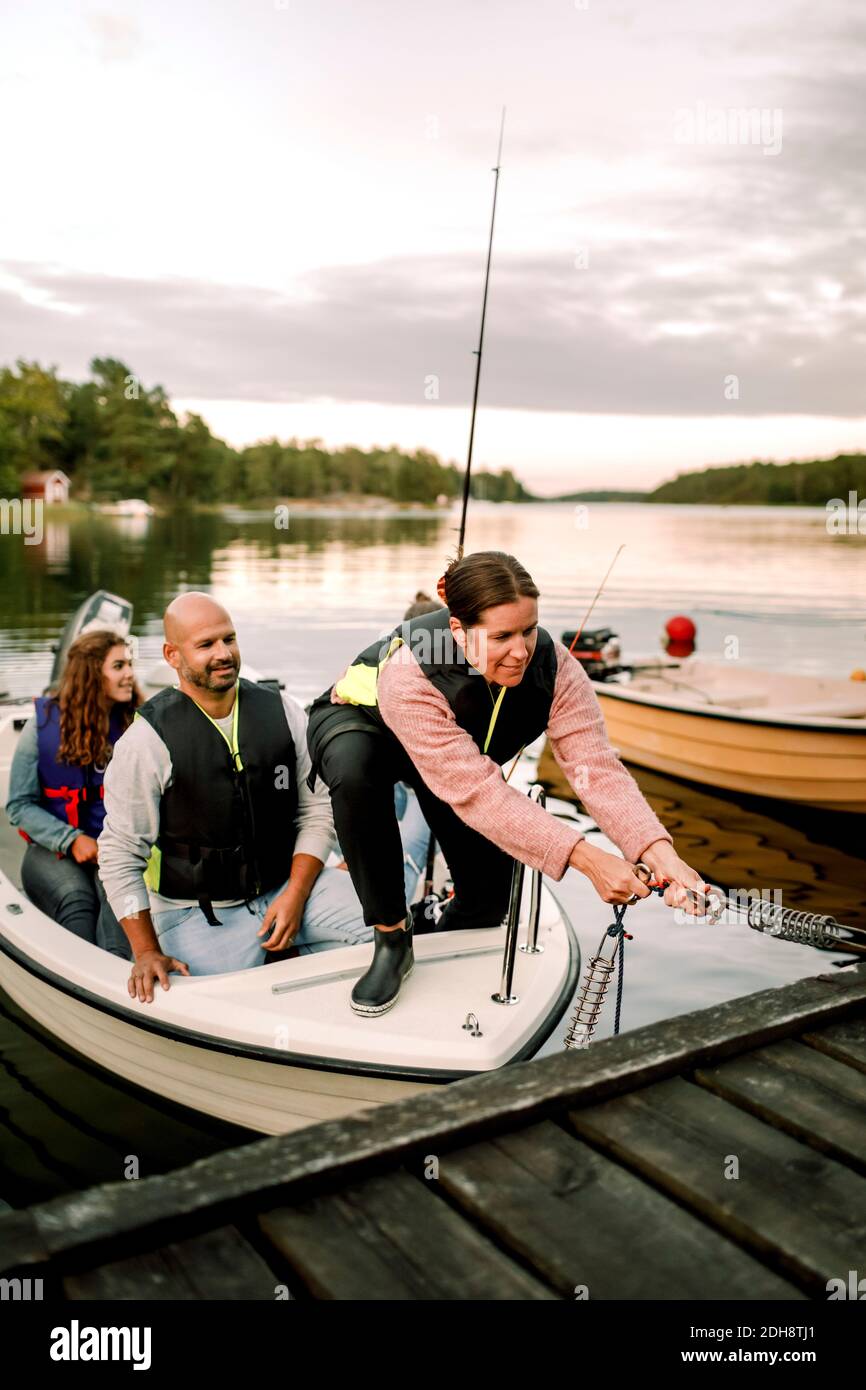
x=71 y=795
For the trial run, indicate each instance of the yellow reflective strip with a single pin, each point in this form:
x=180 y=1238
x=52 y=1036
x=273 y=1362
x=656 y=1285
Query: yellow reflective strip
x=395 y=643
x=152 y=869
x=360 y=684
x=492 y=723
x=233 y=741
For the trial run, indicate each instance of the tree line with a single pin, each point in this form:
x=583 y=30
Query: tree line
x=810 y=484
x=114 y=437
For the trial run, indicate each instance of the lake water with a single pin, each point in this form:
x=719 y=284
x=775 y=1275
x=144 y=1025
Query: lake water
x=305 y=599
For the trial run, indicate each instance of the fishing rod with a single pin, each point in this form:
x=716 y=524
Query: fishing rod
x=427 y=892
x=586 y=615
x=480 y=348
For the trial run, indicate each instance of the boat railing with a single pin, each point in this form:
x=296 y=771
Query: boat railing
x=504 y=994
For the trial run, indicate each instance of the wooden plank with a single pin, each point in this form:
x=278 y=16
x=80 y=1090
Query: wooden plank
x=217 y=1265
x=799 y=1211
x=21 y=1242
x=585 y=1223
x=391 y=1237
x=845 y=1041
x=803 y=1091
x=460 y=1112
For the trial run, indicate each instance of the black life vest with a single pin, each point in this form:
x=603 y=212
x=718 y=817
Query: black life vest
x=225 y=832
x=521 y=716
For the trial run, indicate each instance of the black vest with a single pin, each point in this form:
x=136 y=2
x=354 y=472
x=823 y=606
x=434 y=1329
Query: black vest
x=525 y=709
x=225 y=832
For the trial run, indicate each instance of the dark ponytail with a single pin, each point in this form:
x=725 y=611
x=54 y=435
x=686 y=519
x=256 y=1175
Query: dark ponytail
x=484 y=580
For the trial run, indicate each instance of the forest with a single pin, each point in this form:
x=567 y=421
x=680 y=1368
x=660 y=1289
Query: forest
x=115 y=437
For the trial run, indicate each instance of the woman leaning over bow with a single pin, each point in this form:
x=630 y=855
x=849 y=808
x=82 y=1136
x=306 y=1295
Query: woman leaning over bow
x=445 y=701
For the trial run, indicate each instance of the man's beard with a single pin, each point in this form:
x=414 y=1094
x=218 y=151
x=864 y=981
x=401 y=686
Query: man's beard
x=209 y=679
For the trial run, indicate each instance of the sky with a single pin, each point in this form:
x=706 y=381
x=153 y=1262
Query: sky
x=279 y=209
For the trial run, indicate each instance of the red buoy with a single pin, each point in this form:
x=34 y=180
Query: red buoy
x=681 y=629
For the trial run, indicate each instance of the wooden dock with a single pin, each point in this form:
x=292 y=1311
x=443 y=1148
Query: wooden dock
x=717 y=1155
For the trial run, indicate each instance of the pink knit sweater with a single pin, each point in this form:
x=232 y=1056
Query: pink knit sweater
x=454 y=769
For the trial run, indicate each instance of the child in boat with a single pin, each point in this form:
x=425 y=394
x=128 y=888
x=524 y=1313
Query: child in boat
x=56 y=786
x=441 y=705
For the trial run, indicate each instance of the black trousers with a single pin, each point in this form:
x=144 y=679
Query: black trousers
x=360 y=766
x=72 y=894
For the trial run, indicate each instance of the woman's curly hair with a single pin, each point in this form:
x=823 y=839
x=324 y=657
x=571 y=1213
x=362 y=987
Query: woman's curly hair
x=85 y=709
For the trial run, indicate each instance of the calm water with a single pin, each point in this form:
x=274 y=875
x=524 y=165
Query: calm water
x=306 y=599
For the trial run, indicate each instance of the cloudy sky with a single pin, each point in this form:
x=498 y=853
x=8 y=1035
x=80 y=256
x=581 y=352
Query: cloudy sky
x=278 y=209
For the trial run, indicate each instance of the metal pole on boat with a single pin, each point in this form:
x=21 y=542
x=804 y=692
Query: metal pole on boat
x=530 y=946
x=504 y=995
x=480 y=348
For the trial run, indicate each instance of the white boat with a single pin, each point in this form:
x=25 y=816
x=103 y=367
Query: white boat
x=275 y=1048
x=127 y=506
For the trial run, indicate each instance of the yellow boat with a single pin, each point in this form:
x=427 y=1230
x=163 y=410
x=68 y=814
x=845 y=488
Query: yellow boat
x=765 y=733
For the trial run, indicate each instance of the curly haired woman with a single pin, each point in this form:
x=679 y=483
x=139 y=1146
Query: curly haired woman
x=55 y=786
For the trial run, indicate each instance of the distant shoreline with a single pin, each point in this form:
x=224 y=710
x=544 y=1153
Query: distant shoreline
x=387 y=506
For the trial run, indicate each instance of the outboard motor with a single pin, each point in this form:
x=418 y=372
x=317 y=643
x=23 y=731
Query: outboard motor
x=597 y=650
x=100 y=610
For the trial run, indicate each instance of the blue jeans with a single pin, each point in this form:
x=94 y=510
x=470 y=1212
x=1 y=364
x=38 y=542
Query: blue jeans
x=333 y=915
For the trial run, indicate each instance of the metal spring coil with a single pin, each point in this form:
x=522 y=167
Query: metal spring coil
x=809 y=928
x=588 y=1005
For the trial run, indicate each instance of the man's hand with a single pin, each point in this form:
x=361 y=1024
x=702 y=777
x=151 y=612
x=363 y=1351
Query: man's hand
x=150 y=966
x=613 y=879
x=84 y=849
x=283 y=920
x=686 y=889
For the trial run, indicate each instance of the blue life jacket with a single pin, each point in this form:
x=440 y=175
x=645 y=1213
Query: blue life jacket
x=72 y=793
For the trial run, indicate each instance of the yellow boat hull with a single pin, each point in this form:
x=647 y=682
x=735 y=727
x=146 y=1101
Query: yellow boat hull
x=815 y=766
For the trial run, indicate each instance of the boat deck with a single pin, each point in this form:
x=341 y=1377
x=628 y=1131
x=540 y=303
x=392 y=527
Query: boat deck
x=719 y=1154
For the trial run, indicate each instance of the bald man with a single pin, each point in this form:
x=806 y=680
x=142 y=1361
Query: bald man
x=213 y=850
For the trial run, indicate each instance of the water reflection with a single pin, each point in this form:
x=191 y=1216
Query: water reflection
x=306 y=599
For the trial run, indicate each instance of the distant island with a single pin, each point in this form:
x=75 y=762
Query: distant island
x=750 y=484
x=597 y=495
x=116 y=438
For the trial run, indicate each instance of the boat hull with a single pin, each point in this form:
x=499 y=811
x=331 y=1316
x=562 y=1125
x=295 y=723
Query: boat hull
x=252 y=1094
x=277 y=1048
x=814 y=766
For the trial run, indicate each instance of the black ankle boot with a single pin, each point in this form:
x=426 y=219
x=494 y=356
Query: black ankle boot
x=393 y=960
